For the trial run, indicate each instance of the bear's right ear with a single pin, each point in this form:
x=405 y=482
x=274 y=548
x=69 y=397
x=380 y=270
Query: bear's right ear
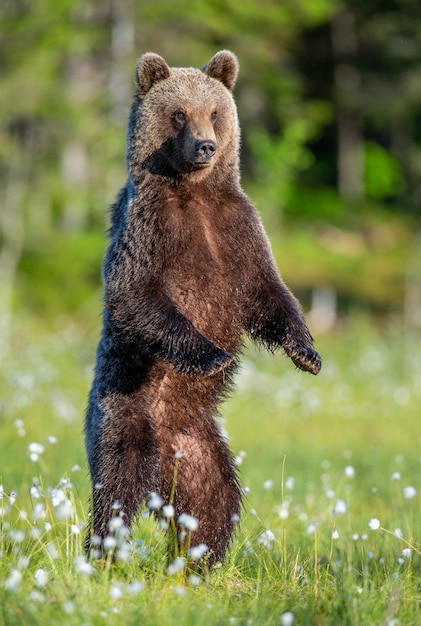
x=150 y=69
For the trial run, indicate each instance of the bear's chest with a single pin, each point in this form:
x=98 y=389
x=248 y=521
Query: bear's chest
x=203 y=278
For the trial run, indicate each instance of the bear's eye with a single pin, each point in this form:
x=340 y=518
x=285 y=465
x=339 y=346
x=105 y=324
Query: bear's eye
x=179 y=117
x=214 y=115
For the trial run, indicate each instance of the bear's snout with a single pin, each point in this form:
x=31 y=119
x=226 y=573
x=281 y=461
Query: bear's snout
x=205 y=150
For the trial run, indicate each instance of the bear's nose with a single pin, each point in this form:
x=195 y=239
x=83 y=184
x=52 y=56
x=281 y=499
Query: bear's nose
x=205 y=149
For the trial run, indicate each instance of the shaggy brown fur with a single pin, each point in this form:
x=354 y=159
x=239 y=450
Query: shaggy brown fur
x=188 y=271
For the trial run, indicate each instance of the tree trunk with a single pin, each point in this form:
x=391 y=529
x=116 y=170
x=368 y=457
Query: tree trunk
x=349 y=123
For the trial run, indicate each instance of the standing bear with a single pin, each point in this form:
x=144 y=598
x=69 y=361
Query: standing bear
x=188 y=272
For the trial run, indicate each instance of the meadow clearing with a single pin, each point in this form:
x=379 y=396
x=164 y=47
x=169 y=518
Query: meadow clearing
x=330 y=466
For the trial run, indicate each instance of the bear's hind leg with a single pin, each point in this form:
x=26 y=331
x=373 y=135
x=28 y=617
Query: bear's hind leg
x=124 y=470
x=206 y=486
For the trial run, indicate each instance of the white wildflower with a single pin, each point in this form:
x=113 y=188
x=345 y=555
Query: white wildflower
x=57 y=496
x=35 y=492
x=168 y=511
x=82 y=566
x=266 y=539
x=116 y=591
x=396 y=476
x=65 y=483
x=115 y=524
x=409 y=492
x=41 y=577
x=134 y=587
x=37 y=596
x=188 y=521
x=18 y=424
x=374 y=523
x=35 y=450
x=340 y=507
x=109 y=543
x=197 y=552
x=287 y=618
x=268 y=484
x=283 y=510
x=68 y=606
x=13 y=581
x=123 y=553
x=335 y=534
x=53 y=550
x=64 y=511
x=155 y=502
x=290 y=483
x=194 y=580
x=176 y=566
x=17 y=536
x=96 y=540
x=406 y=553
x=23 y=562
x=349 y=471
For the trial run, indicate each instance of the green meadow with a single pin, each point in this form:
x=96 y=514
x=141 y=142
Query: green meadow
x=329 y=100
x=330 y=465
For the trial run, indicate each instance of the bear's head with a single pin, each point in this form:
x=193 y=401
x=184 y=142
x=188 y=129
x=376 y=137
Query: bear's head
x=183 y=121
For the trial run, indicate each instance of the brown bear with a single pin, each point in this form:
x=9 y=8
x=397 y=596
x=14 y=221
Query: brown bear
x=188 y=272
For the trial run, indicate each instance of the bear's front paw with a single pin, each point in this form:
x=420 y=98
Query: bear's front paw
x=305 y=359
x=214 y=362
x=206 y=362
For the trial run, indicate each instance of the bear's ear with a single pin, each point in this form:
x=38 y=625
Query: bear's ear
x=150 y=69
x=224 y=67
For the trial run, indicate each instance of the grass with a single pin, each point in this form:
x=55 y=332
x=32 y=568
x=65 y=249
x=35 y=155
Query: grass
x=320 y=460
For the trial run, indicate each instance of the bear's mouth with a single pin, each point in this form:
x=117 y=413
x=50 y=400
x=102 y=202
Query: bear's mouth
x=200 y=165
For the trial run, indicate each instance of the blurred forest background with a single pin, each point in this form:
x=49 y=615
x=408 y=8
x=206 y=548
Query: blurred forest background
x=329 y=99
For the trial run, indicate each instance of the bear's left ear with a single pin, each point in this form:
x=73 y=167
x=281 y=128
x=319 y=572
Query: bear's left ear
x=224 y=67
x=150 y=69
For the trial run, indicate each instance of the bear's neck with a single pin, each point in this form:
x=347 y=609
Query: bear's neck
x=223 y=175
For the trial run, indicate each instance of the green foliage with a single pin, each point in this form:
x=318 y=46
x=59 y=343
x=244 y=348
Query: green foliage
x=72 y=265
x=383 y=173
x=319 y=458
x=278 y=161
x=366 y=265
x=66 y=73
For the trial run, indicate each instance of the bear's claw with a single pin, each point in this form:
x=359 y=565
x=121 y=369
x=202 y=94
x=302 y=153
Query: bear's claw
x=305 y=359
x=219 y=360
